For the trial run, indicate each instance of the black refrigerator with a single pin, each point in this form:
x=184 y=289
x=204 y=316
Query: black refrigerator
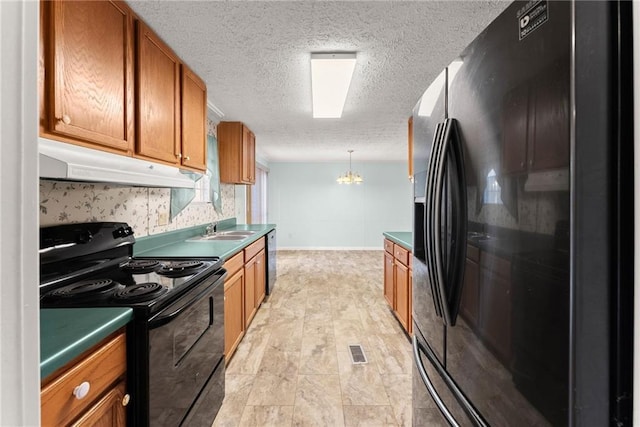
x=523 y=223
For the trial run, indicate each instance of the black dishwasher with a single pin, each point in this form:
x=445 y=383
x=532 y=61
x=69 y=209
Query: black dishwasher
x=271 y=261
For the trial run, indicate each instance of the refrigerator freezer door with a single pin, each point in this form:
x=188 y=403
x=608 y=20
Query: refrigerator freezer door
x=510 y=95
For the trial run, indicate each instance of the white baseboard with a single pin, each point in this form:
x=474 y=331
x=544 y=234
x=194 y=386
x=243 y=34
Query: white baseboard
x=330 y=248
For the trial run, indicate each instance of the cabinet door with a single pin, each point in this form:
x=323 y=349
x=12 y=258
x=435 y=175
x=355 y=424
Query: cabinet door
x=233 y=312
x=389 y=278
x=194 y=120
x=402 y=294
x=469 y=299
x=107 y=412
x=550 y=148
x=158 y=98
x=89 y=72
x=248 y=156
x=249 y=291
x=495 y=316
x=410 y=147
x=260 y=278
x=515 y=122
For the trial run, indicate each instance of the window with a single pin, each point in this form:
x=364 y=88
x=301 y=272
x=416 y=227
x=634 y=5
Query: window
x=203 y=189
x=492 y=190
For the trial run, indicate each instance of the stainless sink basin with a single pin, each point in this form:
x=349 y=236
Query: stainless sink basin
x=223 y=235
x=236 y=233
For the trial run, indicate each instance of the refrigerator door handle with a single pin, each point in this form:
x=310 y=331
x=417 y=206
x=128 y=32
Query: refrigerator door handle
x=428 y=220
x=436 y=234
x=456 y=260
x=417 y=349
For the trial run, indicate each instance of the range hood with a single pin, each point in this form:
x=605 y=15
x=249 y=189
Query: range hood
x=552 y=180
x=62 y=161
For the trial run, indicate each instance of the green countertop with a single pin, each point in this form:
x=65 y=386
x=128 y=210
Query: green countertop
x=180 y=244
x=66 y=333
x=403 y=238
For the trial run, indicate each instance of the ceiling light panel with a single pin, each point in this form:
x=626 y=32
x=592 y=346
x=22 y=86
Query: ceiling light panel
x=330 y=79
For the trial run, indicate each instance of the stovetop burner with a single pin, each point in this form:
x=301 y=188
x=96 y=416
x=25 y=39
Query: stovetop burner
x=141 y=266
x=179 y=268
x=140 y=292
x=85 y=289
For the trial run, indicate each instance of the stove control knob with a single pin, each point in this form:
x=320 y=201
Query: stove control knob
x=122 y=232
x=81 y=391
x=84 y=237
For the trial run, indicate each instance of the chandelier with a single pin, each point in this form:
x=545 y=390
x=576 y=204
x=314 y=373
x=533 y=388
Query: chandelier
x=350 y=177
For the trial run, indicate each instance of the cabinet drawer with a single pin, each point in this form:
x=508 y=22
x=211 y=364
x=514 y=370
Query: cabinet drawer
x=253 y=249
x=401 y=254
x=388 y=246
x=100 y=369
x=473 y=253
x=234 y=263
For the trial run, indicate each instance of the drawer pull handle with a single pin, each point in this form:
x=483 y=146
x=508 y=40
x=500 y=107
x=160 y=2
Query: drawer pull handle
x=126 y=399
x=187 y=158
x=81 y=391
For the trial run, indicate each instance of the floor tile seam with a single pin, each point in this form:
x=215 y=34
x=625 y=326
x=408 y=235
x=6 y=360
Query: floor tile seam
x=316 y=375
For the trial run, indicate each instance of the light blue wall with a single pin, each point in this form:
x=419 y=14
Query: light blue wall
x=312 y=210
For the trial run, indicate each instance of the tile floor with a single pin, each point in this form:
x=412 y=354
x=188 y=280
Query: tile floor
x=293 y=367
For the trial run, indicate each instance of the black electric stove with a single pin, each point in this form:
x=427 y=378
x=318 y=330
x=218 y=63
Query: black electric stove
x=175 y=342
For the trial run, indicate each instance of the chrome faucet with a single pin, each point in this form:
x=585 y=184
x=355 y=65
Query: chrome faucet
x=211 y=228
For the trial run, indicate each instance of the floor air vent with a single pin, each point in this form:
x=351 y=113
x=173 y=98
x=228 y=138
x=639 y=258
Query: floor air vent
x=357 y=354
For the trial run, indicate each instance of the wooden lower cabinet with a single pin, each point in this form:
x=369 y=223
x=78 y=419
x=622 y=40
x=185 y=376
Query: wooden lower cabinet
x=261 y=278
x=495 y=316
x=255 y=290
x=389 y=292
x=249 y=291
x=233 y=312
x=244 y=292
x=102 y=371
x=108 y=411
x=398 y=282
x=471 y=288
x=486 y=300
x=403 y=302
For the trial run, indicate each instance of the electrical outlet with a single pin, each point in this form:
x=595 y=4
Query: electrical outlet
x=163 y=218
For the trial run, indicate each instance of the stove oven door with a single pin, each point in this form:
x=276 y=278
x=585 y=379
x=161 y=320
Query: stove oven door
x=186 y=361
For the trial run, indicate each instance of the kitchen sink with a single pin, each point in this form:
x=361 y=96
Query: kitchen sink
x=223 y=235
x=236 y=233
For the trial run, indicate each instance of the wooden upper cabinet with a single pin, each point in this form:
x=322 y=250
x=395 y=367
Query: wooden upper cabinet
x=550 y=148
x=157 y=98
x=87 y=73
x=536 y=123
x=515 y=130
x=236 y=150
x=410 y=147
x=194 y=120
x=248 y=155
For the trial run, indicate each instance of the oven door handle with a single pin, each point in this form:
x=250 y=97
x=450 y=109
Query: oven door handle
x=158 y=321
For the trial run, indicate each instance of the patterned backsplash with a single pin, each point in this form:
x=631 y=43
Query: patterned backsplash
x=141 y=207
x=538 y=212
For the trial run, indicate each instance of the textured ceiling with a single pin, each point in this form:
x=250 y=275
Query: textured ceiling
x=254 y=57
